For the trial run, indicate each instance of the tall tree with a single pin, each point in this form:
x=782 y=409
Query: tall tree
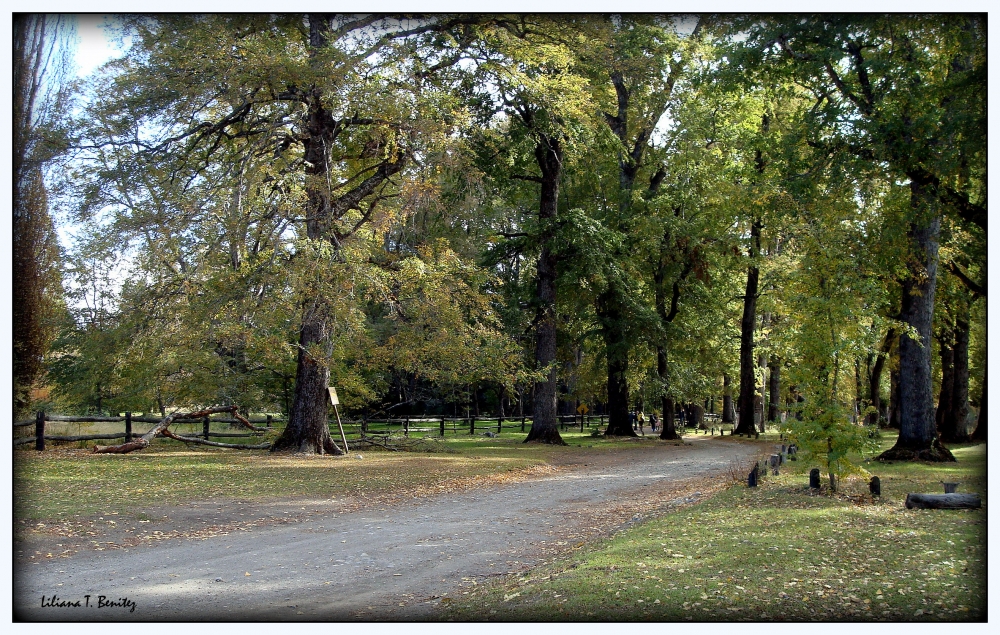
x=904 y=94
x=318 y=94
x=40 y=90
x=533 y=85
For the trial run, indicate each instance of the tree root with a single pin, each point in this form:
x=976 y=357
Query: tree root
x=936 y=453
x=546 y=435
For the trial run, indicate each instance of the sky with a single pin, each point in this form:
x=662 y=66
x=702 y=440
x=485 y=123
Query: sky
x=94 y=46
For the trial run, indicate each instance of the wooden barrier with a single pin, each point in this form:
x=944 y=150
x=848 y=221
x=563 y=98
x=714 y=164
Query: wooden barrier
x=355 y=428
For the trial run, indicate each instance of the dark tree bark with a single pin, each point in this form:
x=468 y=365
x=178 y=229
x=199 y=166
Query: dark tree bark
x=944 y=407
x=748 y=382
x=917 y=434
x=979 y=434
x=613 y=326
x=728 y=415
x=774 y=390
x=875 y=378
x=894 y=398
x=668 y=429
x=951 y=420
x=544 y=425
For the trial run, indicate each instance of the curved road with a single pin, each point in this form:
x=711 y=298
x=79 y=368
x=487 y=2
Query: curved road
x=391 y=564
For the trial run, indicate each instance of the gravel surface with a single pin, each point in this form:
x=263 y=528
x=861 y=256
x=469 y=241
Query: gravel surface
x=320 y=560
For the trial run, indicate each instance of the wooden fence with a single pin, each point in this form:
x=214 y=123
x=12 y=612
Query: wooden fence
x=357 y=428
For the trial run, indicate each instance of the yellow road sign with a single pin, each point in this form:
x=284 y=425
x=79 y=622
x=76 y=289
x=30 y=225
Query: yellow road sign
x=583 y=409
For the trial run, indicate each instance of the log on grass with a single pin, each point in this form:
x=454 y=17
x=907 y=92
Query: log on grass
x=143 y=441
x=215 y=444
x=943 y=501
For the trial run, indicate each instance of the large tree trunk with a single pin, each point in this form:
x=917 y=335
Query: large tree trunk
x=875 y=378
x=308 y=429
x=668 y=430
x=952 y=424
x=894 y=398
x=748 y=382
x=917 y=434
x=728 y=415
x=774 y=390
x=544 y=424
x=979 y=434
x=613 y=325
x=947 y=352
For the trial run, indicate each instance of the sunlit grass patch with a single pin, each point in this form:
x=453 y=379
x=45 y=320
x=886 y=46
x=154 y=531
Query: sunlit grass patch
x=777 y=552
x=68 y=481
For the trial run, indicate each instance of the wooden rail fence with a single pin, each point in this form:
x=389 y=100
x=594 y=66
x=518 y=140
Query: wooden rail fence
x=358 y=428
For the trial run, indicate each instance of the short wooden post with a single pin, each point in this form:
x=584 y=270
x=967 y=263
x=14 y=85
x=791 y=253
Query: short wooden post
x=752 y=477
x=40 y=430
x=406 y=425
x=581 y=423
x=128 y=427
x=472 y=425
x=499 y=424
x=270 y=421
x=204 y=428
x=814 y=478
x=442 y=426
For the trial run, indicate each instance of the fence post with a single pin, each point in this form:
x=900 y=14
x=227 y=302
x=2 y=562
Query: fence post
x=522 y=423
x=40 y=430
x=406 y=425
x=204 y=428
x=472 y=425
x=442 y=426
x=128 y=427
x=269 y=421
x=499 y=424
x=602 y=420
x=581 y=423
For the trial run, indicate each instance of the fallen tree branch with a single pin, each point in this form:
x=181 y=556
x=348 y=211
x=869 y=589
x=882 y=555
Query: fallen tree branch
x=143 y=441
x=215 y=444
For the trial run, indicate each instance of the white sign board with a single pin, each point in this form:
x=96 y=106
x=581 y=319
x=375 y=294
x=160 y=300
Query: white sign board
x=333 y=396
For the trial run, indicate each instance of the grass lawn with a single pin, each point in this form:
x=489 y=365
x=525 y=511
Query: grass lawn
x=777 y=552
x=68 y=481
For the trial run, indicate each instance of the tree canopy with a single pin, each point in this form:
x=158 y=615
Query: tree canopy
x=515 y=212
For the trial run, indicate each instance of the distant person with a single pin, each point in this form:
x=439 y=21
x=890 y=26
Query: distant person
x=632 y=419
x=653 y=421
x=641 y=418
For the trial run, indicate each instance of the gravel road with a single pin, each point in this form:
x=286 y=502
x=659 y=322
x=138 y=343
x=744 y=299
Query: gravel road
x=395 y=562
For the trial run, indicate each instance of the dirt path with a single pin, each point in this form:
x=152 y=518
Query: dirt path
x=398 y=561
